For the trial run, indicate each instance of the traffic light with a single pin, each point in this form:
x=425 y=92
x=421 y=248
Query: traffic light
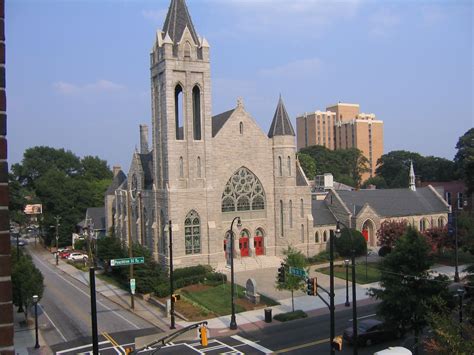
x=337 y=343
x=282 y=273
x=175 y=297
x=203 y=335
x=312 y=286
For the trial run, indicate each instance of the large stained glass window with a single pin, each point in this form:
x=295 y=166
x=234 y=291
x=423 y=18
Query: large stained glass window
x=192 y=233
x=243 y=192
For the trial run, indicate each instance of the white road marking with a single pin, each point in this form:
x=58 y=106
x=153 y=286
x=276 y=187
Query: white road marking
x=81 y=347
x=252 y=344
x=368 y=316
x=54 y=325
x=87 y=295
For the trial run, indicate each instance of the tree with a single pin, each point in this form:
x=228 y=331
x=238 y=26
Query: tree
x=308 y=165
x=27 y=281
x=390 y=231
x=464 y=159
x=438 y=239
x=465 y=230
x=356 y=164
x=349 y=240
x=293 y=283
x=378 y=181
x=407 y=289
x=95 y=168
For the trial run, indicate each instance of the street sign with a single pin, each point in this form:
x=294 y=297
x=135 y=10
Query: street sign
x=297 y=272
x=132 y=285
x=127 y=261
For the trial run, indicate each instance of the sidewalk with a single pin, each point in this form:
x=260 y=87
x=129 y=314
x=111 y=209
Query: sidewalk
x=24 y=335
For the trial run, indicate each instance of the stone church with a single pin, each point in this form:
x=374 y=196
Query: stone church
x=202 y=171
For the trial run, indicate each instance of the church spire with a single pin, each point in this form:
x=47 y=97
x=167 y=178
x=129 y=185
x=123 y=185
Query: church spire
x=177 y=20
x=281 y=124
x=412 y=177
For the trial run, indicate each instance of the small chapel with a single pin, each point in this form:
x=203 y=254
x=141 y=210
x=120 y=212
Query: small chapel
x=202 y=171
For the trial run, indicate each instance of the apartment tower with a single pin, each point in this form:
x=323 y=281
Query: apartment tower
x=342 y=126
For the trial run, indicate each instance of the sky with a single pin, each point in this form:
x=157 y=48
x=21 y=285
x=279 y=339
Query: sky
x=78 y=71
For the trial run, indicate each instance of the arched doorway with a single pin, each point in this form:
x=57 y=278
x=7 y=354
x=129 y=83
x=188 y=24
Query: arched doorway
x=244 y=243
x=258 y=242
x=368 y=232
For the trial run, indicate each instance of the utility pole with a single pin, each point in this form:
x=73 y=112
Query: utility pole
x=171 y=276
x=95 y=338
x=57 y=218
x=130 y=251
x=331 y=291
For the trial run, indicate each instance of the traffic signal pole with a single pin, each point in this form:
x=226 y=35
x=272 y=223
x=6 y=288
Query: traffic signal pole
x=331 y=290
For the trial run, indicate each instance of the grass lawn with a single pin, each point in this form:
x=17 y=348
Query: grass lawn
x=373 y=273
x=217 y=299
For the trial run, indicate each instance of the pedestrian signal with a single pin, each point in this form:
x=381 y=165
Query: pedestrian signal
x=337 y=343
x=175 y=297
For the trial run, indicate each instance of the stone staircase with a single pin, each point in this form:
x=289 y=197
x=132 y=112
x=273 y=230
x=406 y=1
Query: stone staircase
x=250 y=263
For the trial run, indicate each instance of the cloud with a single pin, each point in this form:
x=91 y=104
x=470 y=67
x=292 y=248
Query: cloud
x=155 y=15
x=99 y=86
x=432 y=15
x=383 y=22
x=297 y=68
x=284 y=17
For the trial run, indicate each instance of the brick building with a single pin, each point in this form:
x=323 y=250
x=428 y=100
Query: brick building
x=342 y=126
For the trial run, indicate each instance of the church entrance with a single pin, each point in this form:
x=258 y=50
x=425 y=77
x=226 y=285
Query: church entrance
x=258 y=242
x=244 y=243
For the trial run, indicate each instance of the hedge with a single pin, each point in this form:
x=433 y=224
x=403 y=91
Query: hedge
x=284 y=317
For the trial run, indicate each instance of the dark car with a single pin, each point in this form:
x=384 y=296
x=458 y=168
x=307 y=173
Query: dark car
x=370 y=331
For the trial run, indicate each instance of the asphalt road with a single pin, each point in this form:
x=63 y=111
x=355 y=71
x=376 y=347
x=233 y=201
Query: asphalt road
x=64 y=312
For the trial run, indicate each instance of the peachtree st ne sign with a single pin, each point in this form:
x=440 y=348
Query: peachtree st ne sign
x=127 y=261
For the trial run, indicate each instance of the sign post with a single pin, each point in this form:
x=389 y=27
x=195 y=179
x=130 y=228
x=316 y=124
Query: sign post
x=127 y=261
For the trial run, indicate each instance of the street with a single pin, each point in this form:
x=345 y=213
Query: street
x=64 y=311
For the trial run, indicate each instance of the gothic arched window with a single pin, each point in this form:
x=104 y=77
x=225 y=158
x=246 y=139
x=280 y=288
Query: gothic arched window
x=192 y=233
x=290 y=208
x=199 y=174
x=197 y=113
x=243 y=192
x=289 y=166
x=316 y=237
x=178 y=112
x=280 y=167
x=181 y=167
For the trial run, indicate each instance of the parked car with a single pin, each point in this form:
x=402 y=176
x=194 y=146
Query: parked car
x=394 y=350
x=370 y=331
x=77 y=256
x=64 y=254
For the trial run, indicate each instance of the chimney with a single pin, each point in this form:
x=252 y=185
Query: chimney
x=116 y=169
x=143 y=139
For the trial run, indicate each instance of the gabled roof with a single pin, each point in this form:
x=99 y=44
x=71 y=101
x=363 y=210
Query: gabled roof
x=97 y=214
x=322 y=216
x=394 y=202
x=219 y=120
x=116 y=182
x=177 y=20
x=281 y=125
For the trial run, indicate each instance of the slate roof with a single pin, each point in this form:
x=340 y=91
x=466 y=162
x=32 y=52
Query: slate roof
x=147 y=165
x=281 y=125
x=322 y=216
x=219 y=120
x=176 y=21
x=395 y=202
x=116 y=182
x=97 y=214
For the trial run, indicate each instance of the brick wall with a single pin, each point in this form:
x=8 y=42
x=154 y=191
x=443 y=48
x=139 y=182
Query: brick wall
x=6 y=306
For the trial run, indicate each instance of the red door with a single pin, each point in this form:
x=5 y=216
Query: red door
x=258 y=245
x=365 y=233
x=244 y=246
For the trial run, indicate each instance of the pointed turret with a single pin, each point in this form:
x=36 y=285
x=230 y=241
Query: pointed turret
x=281 y=124
x=177 y=20
x=412 y=177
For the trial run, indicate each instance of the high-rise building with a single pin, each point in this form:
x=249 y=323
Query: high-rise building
x=342 y=126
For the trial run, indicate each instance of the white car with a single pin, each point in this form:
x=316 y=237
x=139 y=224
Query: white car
x=395 y=350
x=77 y=256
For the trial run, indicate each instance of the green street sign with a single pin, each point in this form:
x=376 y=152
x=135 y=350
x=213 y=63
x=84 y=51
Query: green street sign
x=297 y=272
x=127 y=261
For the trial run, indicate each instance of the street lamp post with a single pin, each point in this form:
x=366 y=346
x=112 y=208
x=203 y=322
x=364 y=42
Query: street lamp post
x=20 y=307
x=331 y=292
x=58 y=218
x=233 y=323
x=354 y=296
x=346 y=264
x=35 y=301
x=456 y=251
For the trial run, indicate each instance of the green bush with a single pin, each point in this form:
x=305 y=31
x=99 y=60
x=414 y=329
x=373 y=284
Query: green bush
x=191 y=271
x=162 y=290
x=216 y=277
x=284 y=317
x=80 y=244
x=344 y=243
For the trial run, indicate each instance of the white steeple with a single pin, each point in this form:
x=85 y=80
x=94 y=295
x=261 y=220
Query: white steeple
x=412 y=177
